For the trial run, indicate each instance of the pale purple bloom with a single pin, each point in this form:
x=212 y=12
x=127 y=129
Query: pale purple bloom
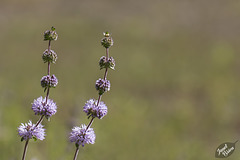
x=49 y=81
x=29 y=131
x=80 y=136
x=102 y=86
x=94 y=110
x=40 y=107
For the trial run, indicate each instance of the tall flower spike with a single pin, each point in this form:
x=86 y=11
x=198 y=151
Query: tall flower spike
x=95 y=108
x=44 y=107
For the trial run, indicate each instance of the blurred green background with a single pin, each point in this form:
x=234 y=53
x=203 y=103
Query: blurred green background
x=174 y=94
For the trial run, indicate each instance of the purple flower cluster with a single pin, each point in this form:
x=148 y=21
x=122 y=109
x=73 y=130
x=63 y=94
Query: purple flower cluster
x=49 y=81
x=49 y=56
x=107 y=63
x=102 y=86
x=40 y=107
x=28 y=131
x=95 y=110
x=80 y=136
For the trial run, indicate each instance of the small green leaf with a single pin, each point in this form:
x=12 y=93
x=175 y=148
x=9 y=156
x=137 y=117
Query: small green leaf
x=35 y=139
x=22 y=139
x=53 y=28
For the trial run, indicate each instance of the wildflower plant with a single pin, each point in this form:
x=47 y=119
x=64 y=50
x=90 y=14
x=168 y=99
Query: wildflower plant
x=95 y=108
x=44 y=107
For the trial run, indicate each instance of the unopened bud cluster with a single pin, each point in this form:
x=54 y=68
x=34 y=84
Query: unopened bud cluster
x=107 y=41
x=49 y=56
x=49 y=81
x=107 y=63
x=102 y=86
x=50 y=35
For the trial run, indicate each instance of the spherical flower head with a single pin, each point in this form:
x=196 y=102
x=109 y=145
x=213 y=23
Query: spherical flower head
x=80 y=136
x=50 y=35
x=50 y=56
x=104 y=63
x=94 y=110
x=49 y=81
x=102 y=86
x=40 y=107
x=28 y=131
x=107 y=41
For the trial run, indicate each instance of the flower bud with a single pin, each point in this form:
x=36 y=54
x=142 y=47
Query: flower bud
x=50 y=35
x=49 y=56
x=107 y=41
x=102 y=86
x=104 y=63
x=49 y=82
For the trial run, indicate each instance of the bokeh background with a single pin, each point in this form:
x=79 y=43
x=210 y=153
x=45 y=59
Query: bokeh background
x=175 y=91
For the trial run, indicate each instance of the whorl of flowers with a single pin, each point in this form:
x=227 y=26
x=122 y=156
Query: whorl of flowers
x=95 y=110
x=102 y=86
x=49 y=81
x=50 y=35
x=49 y=56
x=80 y=136
x=28 y=131
x=107 y=63
x=40 y=107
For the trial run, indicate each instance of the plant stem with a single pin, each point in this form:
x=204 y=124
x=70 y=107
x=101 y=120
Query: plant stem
x=39 y=121
x=76 y=153
x=48 y=70
x=106 y=71
x=49 y=50
x=25 y=150
x=47 y=95
x=49 y=45
x=99 y=99
x=90 y=123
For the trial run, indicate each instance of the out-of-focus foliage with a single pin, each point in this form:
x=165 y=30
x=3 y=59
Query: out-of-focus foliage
x=174 y=92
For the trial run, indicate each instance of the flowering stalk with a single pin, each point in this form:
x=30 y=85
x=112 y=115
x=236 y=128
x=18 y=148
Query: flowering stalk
x=94 y=108
x=44 y=107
